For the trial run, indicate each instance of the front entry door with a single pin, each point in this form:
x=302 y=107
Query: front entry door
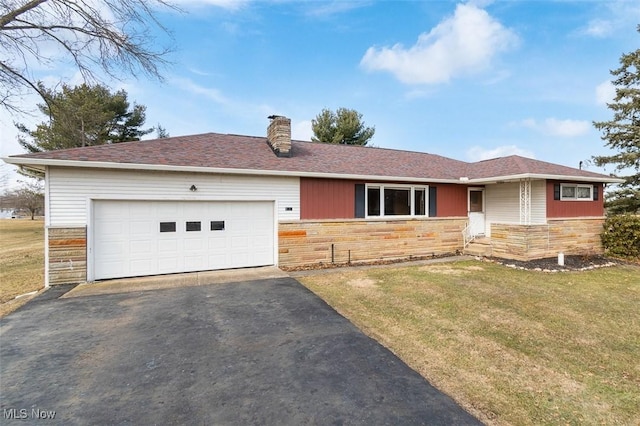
x=476 y=211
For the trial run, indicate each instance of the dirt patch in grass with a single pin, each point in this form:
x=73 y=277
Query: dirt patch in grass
x=362 y=283
x=512 y=346
x=21 y=260
x=448 y=269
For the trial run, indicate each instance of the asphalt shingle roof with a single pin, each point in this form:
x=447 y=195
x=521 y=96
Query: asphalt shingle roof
x=215 y=150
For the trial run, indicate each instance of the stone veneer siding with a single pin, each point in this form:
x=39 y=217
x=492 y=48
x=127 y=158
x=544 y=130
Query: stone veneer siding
x=308 y=242
x=527 y=242
x=67 y=255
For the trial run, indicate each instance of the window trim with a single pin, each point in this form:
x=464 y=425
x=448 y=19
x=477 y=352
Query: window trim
x=576 y=186
x=412 y=191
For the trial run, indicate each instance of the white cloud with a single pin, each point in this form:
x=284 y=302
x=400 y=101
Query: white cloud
x=613 y=17
x=301 y=130
x=326 y=9
x=598 y=28
x=555 y=127
x=211 y=93
x=478 y=153
x=464 y=43
x=605 y=92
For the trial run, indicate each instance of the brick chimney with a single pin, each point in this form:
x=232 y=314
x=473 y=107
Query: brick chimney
x=279 y=135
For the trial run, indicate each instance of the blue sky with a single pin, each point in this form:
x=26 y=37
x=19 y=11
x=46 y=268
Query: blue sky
x=467 y=80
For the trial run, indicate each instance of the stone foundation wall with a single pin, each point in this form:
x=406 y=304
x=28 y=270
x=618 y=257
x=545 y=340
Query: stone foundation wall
x=310 y=242
x=67 y=255
x=526 y=242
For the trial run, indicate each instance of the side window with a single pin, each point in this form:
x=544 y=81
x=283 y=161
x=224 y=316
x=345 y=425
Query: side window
x=419 y=205
x=373 y=201
x=577 y=192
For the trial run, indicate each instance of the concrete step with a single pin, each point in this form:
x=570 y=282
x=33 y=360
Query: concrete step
x=484 y=241
x=479 y=247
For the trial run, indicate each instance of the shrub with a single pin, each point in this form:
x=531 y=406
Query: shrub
x=621 y=236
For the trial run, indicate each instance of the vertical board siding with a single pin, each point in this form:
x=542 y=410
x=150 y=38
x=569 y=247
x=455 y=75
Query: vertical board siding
x=327 y=198
x=71 y=188
x=560 y=209
x=451 y=200
x=335 y=199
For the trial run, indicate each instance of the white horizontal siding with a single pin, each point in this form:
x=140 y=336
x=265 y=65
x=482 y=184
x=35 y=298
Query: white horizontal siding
x=538 y=202
x=502 y=203
x=70 y=190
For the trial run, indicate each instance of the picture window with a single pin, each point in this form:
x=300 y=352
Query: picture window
x=396 y=200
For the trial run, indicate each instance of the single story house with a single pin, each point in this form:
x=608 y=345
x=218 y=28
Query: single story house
x=217 y=201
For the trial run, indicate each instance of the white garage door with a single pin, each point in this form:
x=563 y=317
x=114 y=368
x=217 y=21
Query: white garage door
x=137 y=238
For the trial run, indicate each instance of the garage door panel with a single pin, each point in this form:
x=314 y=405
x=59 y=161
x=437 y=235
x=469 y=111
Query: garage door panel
x=194 y=244
x=239 y=242
x=111 y=228
x=240 y=227
x=217 y=244
x=218 y=261
x=113 y=210
x=167 y=246
x=194 y=263
x=111 y=269
x=262 y=241
x=169 y=264
x=128 y=242
x=144 y=228
x=142 y=248
x=140 y=209
x=141 y=266
x=111 y=248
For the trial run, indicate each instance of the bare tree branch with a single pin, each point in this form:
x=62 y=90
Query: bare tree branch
x=100 y=37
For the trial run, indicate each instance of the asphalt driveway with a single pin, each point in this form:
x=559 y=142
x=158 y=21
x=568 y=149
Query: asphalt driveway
x=255 y=352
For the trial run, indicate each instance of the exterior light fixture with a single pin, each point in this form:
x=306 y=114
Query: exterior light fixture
x=193 y=188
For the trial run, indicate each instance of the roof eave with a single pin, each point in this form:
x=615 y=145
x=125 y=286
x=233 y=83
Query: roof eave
x=507 y=178
x=41 y=164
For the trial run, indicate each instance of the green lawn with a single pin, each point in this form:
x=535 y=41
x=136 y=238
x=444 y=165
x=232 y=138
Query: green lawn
x=511 y=346
x=21 y=259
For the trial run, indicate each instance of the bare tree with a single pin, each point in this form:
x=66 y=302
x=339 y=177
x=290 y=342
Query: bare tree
x=98 y=36
x=29 y=197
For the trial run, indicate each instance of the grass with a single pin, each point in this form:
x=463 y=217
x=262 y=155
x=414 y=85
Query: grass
x=511 y=346
x=21 y=260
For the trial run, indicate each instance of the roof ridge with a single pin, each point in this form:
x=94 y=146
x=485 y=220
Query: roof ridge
x=381 y=148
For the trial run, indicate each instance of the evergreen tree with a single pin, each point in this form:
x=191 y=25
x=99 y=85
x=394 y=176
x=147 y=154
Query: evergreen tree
x=83 y=116
x=345 y=127
x=622 y=134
